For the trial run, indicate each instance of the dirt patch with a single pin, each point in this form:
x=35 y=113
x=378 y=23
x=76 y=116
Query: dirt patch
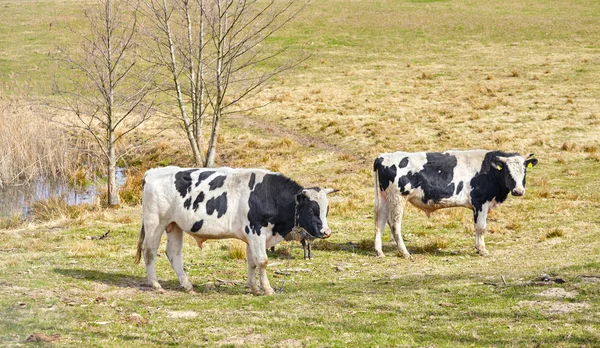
x=590 y=279
x=246 y=340
x=550 y=307
x=136 y=319
x=182 y=314
x=558 y=293
x=123 y=292
x=42 y=337
x=290 y=343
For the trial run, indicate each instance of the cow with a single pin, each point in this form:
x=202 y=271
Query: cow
x=476 y=179
x=257 y=206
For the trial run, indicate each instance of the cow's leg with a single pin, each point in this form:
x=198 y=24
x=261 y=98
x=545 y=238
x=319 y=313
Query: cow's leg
x=308 y=246
x=306 y=255
x=174 y=247
x=258 y=247
x=397 y=204
x=251 y=271
x=154 y=230
x=382 y=217
x=480 y=217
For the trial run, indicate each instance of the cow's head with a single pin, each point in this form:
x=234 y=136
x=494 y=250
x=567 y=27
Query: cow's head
x=513 y=171
x=312 y=209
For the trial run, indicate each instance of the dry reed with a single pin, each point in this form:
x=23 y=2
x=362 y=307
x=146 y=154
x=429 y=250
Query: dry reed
x=11 y=221
x=30 y=146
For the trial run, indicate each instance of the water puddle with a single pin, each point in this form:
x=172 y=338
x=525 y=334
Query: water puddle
x=19 y=199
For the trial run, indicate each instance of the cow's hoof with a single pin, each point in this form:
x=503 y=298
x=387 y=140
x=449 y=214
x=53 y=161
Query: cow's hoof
x=156 y=287
x=269 y=292
x=187 y=286
x=380 y=254
x=191 y=292
x=406 y=256
x=483 y=252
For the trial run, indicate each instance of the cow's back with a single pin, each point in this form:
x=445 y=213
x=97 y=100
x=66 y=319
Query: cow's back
x=211 y=202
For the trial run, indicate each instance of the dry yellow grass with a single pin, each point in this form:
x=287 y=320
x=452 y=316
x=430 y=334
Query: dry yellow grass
x=236 y=250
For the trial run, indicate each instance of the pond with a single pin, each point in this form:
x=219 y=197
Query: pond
x=19 y=199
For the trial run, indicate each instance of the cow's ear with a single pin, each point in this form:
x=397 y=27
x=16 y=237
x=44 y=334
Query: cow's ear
x=302 y=196
x=330 y=190
x=497 y=165
x=498 y=162
x=530 y=163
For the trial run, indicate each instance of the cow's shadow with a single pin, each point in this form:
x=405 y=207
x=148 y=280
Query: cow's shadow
x=141 y=283
x=366 y=247
x=114 y=278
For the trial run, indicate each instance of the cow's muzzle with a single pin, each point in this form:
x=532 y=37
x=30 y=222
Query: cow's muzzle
x=326 y=233
x=518 y=192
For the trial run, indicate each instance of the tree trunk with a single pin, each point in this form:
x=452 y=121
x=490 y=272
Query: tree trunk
x=180 y=102
x=200 y=83
x=212 y=146
x=113 y=190
x=222 y=39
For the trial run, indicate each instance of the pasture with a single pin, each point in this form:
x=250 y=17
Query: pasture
x=409 y=75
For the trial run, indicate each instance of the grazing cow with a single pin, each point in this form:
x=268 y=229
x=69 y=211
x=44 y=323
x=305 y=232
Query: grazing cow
x=256 y=206
x=477 y=179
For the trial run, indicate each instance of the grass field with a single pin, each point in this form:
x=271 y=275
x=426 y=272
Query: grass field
x=383 y=76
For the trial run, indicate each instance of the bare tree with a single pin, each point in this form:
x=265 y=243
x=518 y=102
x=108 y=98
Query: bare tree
x=175 y=48
x=106 y=94
x=215 y=55
x=237 y=32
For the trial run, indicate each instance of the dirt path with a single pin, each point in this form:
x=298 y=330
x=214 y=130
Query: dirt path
x=305 y=140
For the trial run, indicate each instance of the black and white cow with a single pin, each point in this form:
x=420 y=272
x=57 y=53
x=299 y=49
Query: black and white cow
x=256 y=206
x=477 y=179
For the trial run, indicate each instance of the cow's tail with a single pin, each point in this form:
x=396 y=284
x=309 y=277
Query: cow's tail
x=376 y=187
x=138 y=254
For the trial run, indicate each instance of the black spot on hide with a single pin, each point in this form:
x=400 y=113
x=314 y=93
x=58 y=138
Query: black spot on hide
x=459 y=188
x=218 y=203
x=403 y=163
x=217 y=182
x=435 y=179
x=385 y=174
x=252 y=181
x=402 y=182
x=187 y=203
x=197 y=226
x=183 y=181
x=198 y=200
x=203 y=176
x=273 y=202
